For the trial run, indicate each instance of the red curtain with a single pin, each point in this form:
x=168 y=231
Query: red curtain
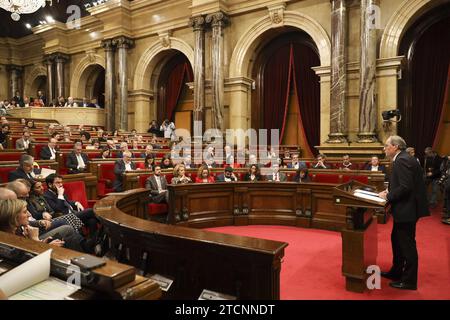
x=429 y=73
x=291 y=66
x=178 y=77
x=308 y=92
x=277 y=76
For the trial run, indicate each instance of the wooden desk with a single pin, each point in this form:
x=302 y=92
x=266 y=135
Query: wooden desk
x=112 y=281
x=244 y=267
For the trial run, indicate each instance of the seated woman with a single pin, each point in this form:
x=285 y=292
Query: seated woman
x=40 y=209
x=149 y=162
x=23 y=122
x=14 y=219
x=179 y=175
x=166 y=163
x=203 y=175
x=105 y=154
x=30 y=124
x=301 y=175
x=253 y=173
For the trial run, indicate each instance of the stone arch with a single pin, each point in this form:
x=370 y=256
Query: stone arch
x=36 y=72
x=151 y=58
x=81 y=74
x=240 y=59
x=408 y=12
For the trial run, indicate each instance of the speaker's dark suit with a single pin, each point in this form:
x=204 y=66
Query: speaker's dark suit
x=119 y=169
x=408 y=199
x=72 y=163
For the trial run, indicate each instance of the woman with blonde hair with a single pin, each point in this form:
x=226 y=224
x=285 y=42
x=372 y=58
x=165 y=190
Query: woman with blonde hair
x=179 y=175
x=14 y=218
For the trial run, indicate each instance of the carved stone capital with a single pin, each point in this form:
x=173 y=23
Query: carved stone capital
x=108 y=45
x=276 y=13
x=14 y=68
x=164 y=38
x=198 y=23
x=123 y=42
x=60 y=57
x=217 y=19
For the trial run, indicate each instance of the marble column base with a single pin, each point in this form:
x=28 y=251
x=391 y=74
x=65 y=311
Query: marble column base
x=337 y=138
x=367 y=137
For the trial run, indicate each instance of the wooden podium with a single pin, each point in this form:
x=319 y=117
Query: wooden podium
x=359 y=236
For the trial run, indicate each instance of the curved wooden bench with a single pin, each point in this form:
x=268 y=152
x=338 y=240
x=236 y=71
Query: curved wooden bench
x=244 y=267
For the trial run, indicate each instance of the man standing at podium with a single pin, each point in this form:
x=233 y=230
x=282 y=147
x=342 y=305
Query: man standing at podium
x=407 y=196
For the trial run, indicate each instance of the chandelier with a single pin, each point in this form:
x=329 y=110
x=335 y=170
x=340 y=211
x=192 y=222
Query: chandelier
x=18 y=7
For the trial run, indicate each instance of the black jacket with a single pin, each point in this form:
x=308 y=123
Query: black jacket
x=407 y=193
x=119 y=169
x=58 y=205
x=19 y=174
x=46 y=154
x=72 y=162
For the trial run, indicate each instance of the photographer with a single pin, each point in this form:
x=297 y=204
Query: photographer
x=444 y=183
x=432 y=172
x=168 y=128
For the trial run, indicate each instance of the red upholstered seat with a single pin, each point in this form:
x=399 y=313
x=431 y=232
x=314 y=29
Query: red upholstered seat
x=142 y=179
x=105 y=178
x=38 y=148
x=169 y=177
x=76 y=191
x=157 y=208
x=4 y=172
x=10 y=156
x=140 y=165
x=326 y=178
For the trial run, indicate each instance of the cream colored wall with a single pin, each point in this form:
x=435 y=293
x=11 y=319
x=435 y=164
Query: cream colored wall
x=150 y=21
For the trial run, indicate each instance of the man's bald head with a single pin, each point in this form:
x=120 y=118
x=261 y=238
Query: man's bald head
x=6 y=194
x=19 y=188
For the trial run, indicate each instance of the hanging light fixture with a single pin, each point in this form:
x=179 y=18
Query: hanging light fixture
x=18 y=7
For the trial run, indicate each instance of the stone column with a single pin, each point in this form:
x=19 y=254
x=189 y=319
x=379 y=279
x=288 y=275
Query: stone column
x=109 y=84
x=198 y=24
x=123 y=44
x=338 y=116
x=367 y=93
x=60 y=60
x=49 y=63
x=218 y=21
x=15 y=79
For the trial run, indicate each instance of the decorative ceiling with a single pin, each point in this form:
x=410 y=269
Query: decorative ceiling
x=58 y=11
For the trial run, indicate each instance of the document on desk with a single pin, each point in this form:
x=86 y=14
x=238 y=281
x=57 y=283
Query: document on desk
x=369 y=197
x=31 y=280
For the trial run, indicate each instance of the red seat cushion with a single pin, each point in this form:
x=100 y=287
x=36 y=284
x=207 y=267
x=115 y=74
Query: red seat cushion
x=76 y=191
x=157 y=208
x=4 y=173
x=327 y=178
x=140 y=165
x=359 y=178
x=10 y=156
x=142 y=179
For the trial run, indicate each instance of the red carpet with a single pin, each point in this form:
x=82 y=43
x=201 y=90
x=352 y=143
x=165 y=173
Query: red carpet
x=312 y=264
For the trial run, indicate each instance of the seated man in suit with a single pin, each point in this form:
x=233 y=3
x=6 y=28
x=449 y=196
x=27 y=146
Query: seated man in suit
x=375 y=165
x=227 y=176
x=321 y=164
x=120 y=167
x=148 y=151
x=49 y=152
x=296 y=163
x=25 y=169
x=24 y=142
x=60 y=203
x=346 y=164
x=157 y=183
x=77 y=162
x=276 y=174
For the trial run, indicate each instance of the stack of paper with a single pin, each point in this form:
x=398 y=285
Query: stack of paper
x=368 y=195
x=31 y=281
